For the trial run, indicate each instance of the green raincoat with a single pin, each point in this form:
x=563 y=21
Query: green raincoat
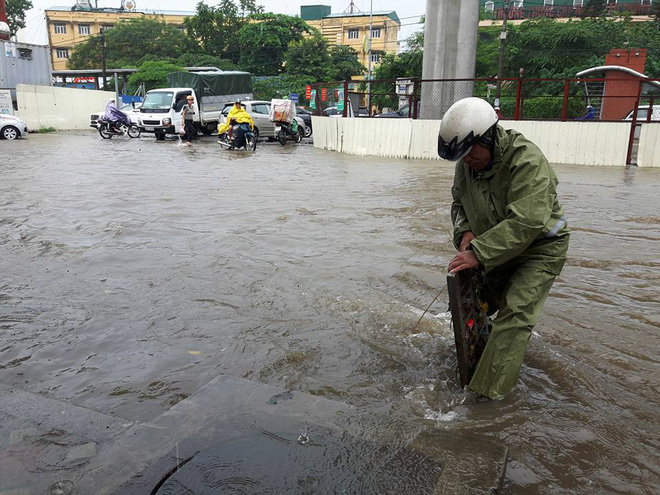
x=521 y=241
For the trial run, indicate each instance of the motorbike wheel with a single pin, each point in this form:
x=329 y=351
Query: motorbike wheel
x=308 y=131
x=251 y=143
x=105 y=132
x=299 y=135
x=281 y=137
x=133 y=131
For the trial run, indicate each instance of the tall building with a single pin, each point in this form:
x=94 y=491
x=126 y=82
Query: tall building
x=68 y=26
x=352 y=28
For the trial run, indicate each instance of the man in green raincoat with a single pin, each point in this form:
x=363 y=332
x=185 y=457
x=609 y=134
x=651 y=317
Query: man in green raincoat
x=507 y=219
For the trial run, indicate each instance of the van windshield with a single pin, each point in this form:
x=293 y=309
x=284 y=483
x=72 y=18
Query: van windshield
x=158 y=101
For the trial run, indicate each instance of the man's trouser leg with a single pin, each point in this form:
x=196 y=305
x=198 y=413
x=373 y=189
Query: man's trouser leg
x=520 y=304
x=239 y=134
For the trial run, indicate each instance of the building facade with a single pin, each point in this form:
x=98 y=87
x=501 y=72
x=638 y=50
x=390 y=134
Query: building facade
x=23 y=63
x=530 y=9
x=68 y=26
x=352 y=29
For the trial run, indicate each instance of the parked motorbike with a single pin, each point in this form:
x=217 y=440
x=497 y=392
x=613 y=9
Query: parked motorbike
x=109 y=129
x=250 y=143
x=284 y=131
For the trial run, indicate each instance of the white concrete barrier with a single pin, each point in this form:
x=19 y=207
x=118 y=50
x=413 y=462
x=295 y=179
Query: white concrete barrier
x=61 y=108
x=648 y=153
x=580 y=143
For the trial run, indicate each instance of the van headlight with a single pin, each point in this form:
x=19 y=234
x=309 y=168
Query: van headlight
x=167 y=121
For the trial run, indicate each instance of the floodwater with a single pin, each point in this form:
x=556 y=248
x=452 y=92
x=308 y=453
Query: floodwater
x=134 y=271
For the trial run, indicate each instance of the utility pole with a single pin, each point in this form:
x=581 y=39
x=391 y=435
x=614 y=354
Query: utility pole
x=500 y=64
x=103 y=56
x=371 y=18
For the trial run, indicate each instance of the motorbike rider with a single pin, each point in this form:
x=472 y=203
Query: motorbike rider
x=115 y=116
x=240 y=118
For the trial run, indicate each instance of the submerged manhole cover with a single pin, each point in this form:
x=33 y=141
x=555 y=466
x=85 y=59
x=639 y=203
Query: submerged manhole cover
x=317 y=462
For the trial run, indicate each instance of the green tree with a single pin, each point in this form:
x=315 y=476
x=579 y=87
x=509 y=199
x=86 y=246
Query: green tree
x=153 y=74
x=267 y=88
x=157 y=41
x=406 y=64
x=488 y=49
x=265 y=39
x=215 y=29
x=204 y=60
x=309 y=57
x=594 y=8
x=344 y=63
x=415 y=42
x=546 y=48
x=16 y=10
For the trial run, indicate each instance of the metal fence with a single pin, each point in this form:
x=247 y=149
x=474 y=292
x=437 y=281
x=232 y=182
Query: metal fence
x=616 y=98
x=612 y=99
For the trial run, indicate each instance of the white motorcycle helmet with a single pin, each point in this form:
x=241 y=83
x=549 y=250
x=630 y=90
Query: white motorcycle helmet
x=467 y=122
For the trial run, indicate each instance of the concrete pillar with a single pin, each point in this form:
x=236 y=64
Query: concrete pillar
x=450 y=52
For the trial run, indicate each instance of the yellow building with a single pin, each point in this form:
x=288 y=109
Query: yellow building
x=352 y=29
x=68 y=26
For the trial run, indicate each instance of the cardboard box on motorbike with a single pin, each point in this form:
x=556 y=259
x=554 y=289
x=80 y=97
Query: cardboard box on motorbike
x=283 y=111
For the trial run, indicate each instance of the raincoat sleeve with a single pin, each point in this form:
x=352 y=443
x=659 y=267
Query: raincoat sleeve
x=529 y=207
x=224 y=127
x=458 y=216
x=242 y=117
x=116 y=115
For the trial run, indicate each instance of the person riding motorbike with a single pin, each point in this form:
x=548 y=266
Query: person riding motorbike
x=239 y=118
x=114 y=116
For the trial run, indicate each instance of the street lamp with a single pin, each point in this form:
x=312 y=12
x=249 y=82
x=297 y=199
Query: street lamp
x=103 y=56
x=371 y=14
x=500 y=64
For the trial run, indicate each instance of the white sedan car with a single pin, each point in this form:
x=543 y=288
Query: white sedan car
x=12 y=127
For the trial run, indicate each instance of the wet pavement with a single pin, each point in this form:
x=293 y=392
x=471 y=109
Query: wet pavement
x=136 y=272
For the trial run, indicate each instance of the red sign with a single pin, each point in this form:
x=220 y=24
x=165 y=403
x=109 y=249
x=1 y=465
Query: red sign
x=308 y=92
x=324 y=94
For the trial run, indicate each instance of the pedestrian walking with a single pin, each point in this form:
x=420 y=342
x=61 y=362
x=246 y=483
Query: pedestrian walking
x=187 y=116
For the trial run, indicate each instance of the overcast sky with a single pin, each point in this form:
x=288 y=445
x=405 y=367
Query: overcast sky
x=408 y=11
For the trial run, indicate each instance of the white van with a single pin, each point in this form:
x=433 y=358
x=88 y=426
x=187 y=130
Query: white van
x=160 y=113
x=642 y=115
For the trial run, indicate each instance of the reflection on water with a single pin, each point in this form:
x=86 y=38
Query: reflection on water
x=133 y=272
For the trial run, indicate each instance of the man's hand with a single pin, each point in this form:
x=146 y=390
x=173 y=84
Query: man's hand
x=463 y=261
x=465 y=240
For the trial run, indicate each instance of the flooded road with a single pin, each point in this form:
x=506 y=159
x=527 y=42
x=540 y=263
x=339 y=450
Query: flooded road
x=133 y=272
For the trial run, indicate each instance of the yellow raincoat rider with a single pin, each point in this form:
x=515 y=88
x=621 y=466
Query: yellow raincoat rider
x=237 y=115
